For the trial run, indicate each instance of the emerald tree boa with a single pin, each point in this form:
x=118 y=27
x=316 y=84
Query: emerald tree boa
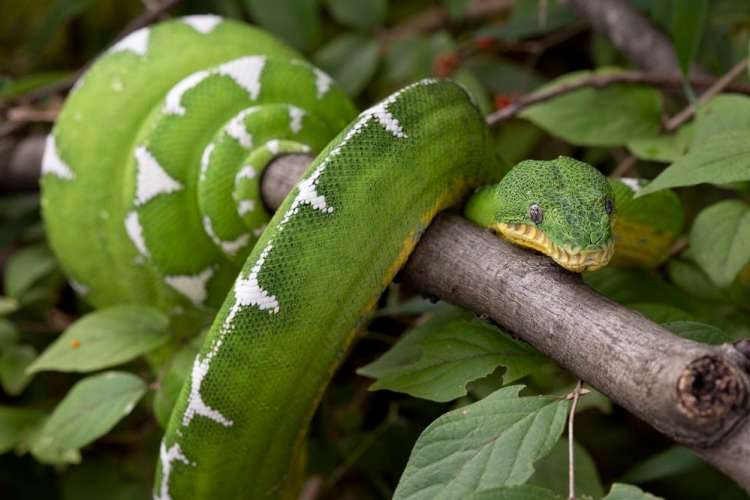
x=151 y=194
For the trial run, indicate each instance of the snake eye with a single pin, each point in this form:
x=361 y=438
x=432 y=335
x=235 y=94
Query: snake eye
x=535 y=213
x=608 y=206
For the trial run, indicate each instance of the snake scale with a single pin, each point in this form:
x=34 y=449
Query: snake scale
x=151 y=194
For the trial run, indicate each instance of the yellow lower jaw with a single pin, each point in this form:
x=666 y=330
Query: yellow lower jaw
x=575 y=260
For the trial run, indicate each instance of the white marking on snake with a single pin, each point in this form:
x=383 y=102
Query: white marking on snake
x=236 y=128
x=632 y=183
x=117 y=85
x=245 y=72
x=135 y=232
x=168 y=456
x=206 y=159
x=245 y=207
x=152 y=179
x=307 y=188
x=191 y=286
x=52 y=164
x=246 y=172
x=136 y=42
x=295 y=119
x=228 y=247
x=248 y=292
x=173 y=102
x=202 y=23
x=79 y=287
x=196 y=405
x=322 y=82
x=274 y=146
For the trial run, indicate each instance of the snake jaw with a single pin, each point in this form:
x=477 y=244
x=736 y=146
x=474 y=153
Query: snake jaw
x=573 y=259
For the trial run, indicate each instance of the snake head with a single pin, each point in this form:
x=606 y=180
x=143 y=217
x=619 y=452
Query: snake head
x=563 y=208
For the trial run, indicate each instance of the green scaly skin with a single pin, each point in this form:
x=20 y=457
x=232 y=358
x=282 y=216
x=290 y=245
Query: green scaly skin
x=159 y=142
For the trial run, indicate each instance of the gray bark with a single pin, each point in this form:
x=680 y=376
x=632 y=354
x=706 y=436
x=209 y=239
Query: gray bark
x=693 y=393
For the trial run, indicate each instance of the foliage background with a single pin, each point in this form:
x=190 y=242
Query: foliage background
x=361 y=439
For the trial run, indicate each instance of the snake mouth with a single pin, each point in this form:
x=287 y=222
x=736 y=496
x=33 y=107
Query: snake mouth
x=577 y=260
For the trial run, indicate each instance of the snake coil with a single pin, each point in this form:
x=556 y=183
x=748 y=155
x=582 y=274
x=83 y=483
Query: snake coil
x=151 y=194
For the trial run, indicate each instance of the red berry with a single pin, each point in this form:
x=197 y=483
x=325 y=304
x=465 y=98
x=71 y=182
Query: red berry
x=445 y=64
x=502 y=101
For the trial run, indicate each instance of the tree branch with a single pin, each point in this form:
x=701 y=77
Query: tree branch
x=719 y=86
x=630 y=32
x=694 y=393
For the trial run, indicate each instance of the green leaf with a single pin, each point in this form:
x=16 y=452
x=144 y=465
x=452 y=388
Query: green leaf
x=15 y=424
x=522 y=492
x=440 y=357
x=689 y=277
x=722 y=158
x=8 y=334
x=670 y=462
x=25 y=84
x=488 y=444
x=660 y=313
x=8 y=305
x=552 y=471
x=628 y=492
x=664 y=148
x=720 y=240
x=171 y=383
x=456 y=8
x=13 y=365
x=351 y=59
x=688 y=20
x=699 y=332
x=723 y=113
x=474 y=87
x=502 y=76
x=526 y=20
x=297 y=22
x=105 y=338
x=27 y=267
x=623 y=113
x=362 y=14
x=92 y=407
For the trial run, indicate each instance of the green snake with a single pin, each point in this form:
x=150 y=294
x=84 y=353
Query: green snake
x=151 y=194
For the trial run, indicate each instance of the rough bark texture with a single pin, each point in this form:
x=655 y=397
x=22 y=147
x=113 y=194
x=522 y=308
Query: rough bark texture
x=696 y=394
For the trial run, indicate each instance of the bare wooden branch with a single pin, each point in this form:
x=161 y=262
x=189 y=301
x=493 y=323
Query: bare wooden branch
x=696 y=394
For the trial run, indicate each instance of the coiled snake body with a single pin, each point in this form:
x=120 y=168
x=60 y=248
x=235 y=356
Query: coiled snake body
x=151 y=194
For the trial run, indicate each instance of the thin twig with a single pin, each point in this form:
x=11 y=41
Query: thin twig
x=719 y=85
x=27 y=114
x=598 y=81
x=624 y=167
x=571 y=445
